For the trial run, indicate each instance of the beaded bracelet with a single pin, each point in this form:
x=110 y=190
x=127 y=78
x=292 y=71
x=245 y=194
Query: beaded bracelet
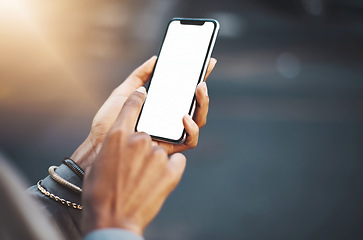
x=62 y=181
x=73 y=166
x=58 y=199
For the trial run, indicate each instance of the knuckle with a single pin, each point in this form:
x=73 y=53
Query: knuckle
x=132 y=141
x=139 y=139
x=203 y=123
x=143 y=138
x=194 y=143
x=207 y=99
x=118 y=132
x=98 y=128
x=159 y=153
x=195 y=130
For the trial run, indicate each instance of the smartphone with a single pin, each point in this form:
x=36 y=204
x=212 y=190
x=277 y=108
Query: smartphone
x=181 y=65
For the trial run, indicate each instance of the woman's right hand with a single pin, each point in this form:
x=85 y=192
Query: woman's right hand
x=131 y=178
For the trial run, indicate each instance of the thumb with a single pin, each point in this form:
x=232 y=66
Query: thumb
x=142 y=74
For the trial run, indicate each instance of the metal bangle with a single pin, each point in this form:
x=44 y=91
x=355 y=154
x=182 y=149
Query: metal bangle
x=62 y=181
x=58 y=199
x=73 y=166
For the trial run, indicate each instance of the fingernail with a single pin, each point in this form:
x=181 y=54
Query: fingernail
x=141 y=89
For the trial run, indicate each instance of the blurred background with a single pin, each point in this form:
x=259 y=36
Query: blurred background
x=281 y=155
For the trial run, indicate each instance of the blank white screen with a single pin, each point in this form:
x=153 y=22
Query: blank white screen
x=175 y=78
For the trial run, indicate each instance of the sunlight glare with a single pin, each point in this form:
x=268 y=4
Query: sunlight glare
x=11 y=9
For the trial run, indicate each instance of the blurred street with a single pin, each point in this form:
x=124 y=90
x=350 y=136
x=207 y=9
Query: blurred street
x=281 y=154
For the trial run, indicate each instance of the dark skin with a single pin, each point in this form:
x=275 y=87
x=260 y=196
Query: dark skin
x=138 y=174
x=107 y=114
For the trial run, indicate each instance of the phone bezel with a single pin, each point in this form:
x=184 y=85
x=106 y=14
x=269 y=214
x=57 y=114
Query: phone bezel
x=186 y=21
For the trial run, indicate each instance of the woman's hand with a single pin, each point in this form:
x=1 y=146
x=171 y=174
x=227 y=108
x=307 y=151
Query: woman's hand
x=130 y=179
x=107 y=114
x=192 y=125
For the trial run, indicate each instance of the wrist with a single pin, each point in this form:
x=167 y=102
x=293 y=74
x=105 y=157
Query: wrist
x=94 y=222
x=85 y=154
x=112 y=233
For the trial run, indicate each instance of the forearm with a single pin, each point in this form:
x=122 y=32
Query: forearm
x=86 y=152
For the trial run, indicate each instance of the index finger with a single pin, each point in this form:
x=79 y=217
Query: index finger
x=130 y=111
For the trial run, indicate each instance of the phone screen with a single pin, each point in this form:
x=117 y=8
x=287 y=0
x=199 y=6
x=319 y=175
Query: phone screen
x=181 y=65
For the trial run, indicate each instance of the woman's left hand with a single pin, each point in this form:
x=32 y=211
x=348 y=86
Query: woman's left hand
x=107 y=114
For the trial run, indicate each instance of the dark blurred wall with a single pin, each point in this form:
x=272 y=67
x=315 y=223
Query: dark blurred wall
x=281 y=155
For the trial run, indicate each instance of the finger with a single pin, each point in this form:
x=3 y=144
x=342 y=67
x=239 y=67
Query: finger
x=142 y=74
x=193 y=132
x=139 y=142
x=169 y=147
x=176 y=165
x=159 y=155
x=136 y=79
x=130 y=111
x=138 y=146
x=212 y=64
x=201 y=111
